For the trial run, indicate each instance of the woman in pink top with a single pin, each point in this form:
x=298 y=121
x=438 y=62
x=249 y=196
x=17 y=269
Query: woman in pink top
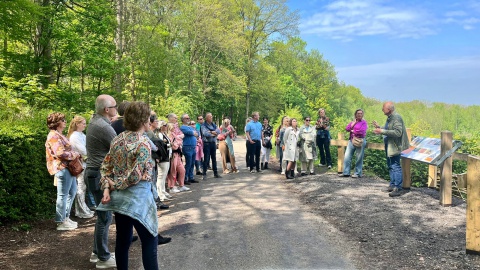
x=357 y=128
x=177 y=170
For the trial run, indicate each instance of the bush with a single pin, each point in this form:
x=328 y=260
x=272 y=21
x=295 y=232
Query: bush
x=26 y=188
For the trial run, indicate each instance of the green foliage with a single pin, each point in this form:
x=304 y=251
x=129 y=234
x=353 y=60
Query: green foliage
x=26 y=188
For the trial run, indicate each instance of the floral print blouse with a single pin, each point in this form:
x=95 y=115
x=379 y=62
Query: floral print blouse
x=128 y=162
x=59 y=151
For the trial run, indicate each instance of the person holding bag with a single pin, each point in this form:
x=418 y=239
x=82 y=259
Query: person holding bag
x=357 y=141
x=59 y=153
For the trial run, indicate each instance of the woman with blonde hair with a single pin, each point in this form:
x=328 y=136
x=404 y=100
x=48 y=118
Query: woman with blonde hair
x=290 y=148
x=78 y=140
x=177 y=170
x=279 y=142
x=225 y=146
x=59 y=153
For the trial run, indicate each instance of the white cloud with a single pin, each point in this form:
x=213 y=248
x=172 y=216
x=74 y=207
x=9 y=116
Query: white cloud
x=435 y=80
x=346 y=19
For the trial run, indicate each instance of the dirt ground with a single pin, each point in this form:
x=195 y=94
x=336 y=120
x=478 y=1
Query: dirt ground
x=408 y=232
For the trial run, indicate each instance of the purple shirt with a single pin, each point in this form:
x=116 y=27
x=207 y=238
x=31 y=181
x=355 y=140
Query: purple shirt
x=359 y=130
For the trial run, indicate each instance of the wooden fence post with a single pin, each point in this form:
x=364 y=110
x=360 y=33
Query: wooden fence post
x=432 y=176
x=446 y=178
x=406 y=166
x=473 y=205
x=341 y=154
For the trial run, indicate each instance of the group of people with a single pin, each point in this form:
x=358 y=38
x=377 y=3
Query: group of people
x=294 y=142
x=132 y=162
x=300 y=143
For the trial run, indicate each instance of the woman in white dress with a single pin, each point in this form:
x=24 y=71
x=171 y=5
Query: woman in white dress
x=290 y=148
x=78 y=140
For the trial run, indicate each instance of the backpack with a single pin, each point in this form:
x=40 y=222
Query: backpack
x=162 y=153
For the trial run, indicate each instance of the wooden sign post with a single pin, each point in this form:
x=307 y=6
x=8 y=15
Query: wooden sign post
x=473 y=205
x=446 y=178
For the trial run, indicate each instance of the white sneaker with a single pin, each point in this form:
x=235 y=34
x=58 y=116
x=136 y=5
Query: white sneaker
x=71 y=221
x=329 y=166
x=167 y=195
x=321 y=165
x=65 y=226
x=184 y=188
x=110 y=263
x=283 y=172
x=94 y=257
x=175 y=190
x=355 y=176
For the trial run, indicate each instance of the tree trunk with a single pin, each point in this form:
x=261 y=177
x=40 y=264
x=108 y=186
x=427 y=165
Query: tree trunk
x=119 y=47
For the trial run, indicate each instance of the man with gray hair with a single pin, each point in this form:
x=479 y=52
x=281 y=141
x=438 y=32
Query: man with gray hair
x=189 y=147
x=100 y=134
x=209 y=136
x=396 y=140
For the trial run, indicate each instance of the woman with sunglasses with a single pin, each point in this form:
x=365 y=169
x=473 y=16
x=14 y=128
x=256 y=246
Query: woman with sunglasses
x=308 y=148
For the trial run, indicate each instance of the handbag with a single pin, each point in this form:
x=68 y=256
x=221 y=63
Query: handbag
x=357 y=142
x=75 y=167
x=221 y=137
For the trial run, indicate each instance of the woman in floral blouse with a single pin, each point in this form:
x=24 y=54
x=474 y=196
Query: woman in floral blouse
x=59 y=152
x=127 y=189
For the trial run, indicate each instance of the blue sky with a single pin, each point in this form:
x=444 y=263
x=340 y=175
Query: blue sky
x=399 y=50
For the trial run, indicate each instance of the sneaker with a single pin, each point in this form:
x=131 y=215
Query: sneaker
x=259 y=171
x=395 y=193
x=355 y=176
x=167 y=195
x=321 y=165
x=66 y=226
x=312 y=173
x=252 y=171
x=110 y=263
x=199 y=173
x=184 y=188
x=71 y=221
x=93 y=258
x=388 y=189
x=193 y=181
x=174 y=190
x=329 y=166
x=302 y=174
x=283 y=173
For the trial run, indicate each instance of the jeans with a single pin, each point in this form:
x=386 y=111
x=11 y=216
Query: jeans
x=190 y=154
x=66 y=191
x=198 y=164
x=359 y=158
x=395 y=171
x=209 y=151
x=125 y=226
x=104 y=218
x=253 y=150
x=324 y=150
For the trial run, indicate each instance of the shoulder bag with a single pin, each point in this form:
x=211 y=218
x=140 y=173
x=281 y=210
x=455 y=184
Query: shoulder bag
x=357 y=141
x=75 y=167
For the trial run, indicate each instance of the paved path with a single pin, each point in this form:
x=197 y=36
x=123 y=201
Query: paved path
x=245 y=221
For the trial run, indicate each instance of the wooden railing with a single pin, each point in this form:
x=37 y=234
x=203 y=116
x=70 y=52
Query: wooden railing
x=472 y=183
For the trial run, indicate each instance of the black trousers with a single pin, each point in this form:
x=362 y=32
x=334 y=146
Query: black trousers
x=253 y=150
x=324 y=150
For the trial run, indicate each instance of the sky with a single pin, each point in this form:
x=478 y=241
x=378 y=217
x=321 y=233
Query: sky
x=399 y=50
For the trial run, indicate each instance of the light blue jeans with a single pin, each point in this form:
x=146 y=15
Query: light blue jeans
x=66 y=191
x=359 y=158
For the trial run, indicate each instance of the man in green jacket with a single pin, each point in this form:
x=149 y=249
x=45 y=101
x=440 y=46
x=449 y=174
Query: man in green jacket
x=396 y=140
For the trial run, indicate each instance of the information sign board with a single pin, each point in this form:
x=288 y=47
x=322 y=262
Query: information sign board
x=423 y=149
